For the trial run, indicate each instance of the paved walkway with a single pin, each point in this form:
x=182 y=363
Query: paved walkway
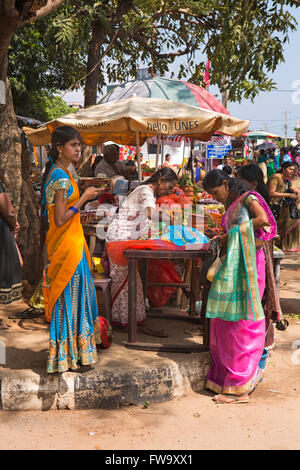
x=120 y=377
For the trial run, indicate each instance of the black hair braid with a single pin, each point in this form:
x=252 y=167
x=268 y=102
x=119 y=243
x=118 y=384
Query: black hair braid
x=216 y=177
x=167 y=173
x=262 y=189
x=53 y=156
x=251 y=173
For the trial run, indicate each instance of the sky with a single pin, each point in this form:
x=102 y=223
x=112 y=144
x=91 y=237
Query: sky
x=267 y=111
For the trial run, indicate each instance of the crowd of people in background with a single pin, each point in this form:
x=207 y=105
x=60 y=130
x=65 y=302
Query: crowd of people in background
x=262 y=208
x=280 y=173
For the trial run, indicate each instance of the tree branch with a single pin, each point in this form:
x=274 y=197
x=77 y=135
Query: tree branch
x=142 y=41
x=96 y=65
x=50 y=7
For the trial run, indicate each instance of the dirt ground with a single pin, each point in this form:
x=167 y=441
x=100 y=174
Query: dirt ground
x=270 y=421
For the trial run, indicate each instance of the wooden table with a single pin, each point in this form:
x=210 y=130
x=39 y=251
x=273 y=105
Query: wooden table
x=89 y=230
x=135 y=256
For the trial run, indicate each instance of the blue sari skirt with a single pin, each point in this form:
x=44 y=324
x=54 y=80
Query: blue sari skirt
x=74 y=327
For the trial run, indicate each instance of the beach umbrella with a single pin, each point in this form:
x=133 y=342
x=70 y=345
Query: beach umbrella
x=266 y=146
x=166 y=89
x=120 y=121
x=254 y=135
x=133 y=120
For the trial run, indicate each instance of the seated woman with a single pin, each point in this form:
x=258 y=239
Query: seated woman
x=132 y=223
x=284 y=199
x=237 y=326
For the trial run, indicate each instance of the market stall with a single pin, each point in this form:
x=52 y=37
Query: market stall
x=133 y=120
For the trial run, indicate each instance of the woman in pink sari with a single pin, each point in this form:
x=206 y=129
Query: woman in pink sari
x=251 y=174
x=237 y=325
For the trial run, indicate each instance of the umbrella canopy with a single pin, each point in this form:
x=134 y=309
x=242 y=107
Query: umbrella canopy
x=166 y=89
x=121 y=121
x=266 y=146
x=254 y=135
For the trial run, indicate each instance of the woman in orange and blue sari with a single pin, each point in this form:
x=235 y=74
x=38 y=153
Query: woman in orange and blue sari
x=74 y=326
x=237 y=320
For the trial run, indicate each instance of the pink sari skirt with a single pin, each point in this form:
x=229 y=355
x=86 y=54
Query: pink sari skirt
x=237 y=347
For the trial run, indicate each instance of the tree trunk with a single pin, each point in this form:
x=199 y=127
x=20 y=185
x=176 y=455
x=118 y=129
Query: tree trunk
x=224 y=92
x=91 y=83
x=85 y=168
x=29 y=235
x=14 y=170
x=10 y=150
x=90 y=92
x=11 y=171
x=10 y=143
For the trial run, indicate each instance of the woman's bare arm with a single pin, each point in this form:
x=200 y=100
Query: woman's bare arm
x=161 y=216
x=61 y=214
x=260 y=218
x=274 y=193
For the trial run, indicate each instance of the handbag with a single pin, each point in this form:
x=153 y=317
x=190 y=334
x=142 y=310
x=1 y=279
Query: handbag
x=214 y=267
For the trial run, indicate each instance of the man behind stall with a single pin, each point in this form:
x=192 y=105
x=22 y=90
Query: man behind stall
x=112 y=166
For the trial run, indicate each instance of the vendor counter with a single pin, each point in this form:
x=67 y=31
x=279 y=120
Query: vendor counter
x=143 y=256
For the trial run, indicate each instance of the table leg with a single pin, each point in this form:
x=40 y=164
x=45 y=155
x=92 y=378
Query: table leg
x=206 y=321
x=193 y=288
x=92 y=244
x=132 y=294
x=144 y=275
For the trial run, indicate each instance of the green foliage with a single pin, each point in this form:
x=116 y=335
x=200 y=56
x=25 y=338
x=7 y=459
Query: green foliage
x=243 y=40
x=42 y=105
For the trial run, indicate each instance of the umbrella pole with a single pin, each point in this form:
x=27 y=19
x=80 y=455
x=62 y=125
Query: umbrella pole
x=157 y=153
x=162 y=153
x=183 y=155
x=138 y=154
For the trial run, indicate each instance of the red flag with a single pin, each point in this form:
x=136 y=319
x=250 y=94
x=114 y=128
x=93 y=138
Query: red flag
x=206 y=77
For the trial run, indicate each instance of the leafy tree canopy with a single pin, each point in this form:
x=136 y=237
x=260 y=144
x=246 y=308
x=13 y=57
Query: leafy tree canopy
x=42 y=104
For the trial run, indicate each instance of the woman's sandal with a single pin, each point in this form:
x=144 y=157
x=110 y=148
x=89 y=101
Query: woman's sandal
x=282 y=324
x=195 y=331
x=30 y=312
x=156 y=333
x=230 y=399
